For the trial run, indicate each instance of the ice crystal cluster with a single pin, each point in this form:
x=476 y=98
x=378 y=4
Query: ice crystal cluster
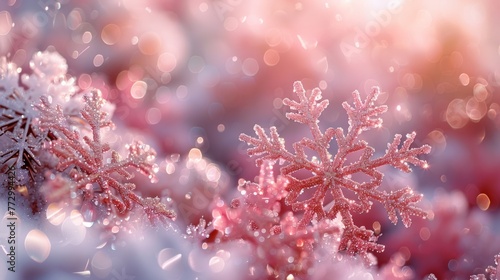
x=22 y=139
x=50 y=127
x=281 y=247
x=492 y=272
x=332 y=174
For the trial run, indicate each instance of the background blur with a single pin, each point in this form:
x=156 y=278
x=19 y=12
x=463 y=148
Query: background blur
x=197 y=73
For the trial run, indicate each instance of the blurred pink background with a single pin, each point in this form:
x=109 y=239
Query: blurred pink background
x=197 y=73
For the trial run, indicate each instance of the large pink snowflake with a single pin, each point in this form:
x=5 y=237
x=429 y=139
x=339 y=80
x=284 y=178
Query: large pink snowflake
x=335 y=174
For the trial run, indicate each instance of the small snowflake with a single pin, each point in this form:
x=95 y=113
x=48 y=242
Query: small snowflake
x=333 y=173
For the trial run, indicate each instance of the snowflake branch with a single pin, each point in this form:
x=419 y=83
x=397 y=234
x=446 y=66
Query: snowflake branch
x=92 y=163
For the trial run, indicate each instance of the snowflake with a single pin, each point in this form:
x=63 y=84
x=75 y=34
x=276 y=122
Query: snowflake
x=335 y=173
x=96 y=171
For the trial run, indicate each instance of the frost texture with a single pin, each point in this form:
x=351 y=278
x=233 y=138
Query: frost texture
x=22 y=139
x=492 y=272
x=281 y=248
x=334 y=173
x=97 y=172
x=44 y=112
